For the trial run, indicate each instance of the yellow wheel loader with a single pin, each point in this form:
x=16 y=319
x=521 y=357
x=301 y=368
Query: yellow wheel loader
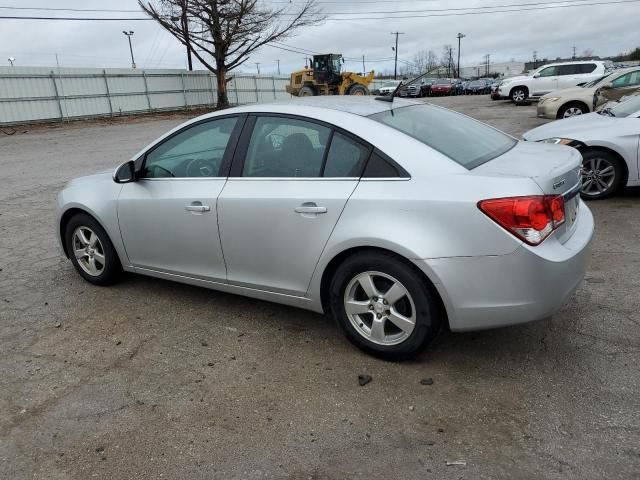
x=324 y=77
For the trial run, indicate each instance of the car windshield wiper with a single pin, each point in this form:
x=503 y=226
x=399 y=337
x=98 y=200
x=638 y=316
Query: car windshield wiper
x=607 y=111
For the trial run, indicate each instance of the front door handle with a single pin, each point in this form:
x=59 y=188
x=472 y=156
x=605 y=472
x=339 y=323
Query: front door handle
x=197 y=207
x=310 y=207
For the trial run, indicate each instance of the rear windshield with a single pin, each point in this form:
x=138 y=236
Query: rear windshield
x=443 y=82
x=466 y=141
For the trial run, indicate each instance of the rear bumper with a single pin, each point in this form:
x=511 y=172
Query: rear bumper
x=529 y=284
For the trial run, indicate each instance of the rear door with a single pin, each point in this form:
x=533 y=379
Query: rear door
x=570 y=75
x=290 y=180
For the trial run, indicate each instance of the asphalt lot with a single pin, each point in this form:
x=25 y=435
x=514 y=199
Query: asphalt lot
x=151 y=379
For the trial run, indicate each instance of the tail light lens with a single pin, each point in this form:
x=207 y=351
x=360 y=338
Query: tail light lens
x=531 y=219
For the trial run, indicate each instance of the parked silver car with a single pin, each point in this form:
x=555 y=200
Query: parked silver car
x=398 y=217
x=609 y=141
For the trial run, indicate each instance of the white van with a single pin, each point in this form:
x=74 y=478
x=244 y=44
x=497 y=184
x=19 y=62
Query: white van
x=550 y=77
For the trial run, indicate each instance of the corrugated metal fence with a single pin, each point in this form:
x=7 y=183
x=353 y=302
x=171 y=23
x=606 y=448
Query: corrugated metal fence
x=34 y=94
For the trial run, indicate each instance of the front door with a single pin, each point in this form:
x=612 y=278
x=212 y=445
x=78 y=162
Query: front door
x=283 y=199
x=545 y=81
x=168 y=218
x=627 y=84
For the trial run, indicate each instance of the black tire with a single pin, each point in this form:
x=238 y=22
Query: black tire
x=112 y=269
x=358 y=89
x=428 y=316
x=306 y=91
x=590 y=160
x=572 y=105
x=519 y=94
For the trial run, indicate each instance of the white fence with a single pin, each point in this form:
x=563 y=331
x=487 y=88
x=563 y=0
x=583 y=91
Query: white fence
x=34 y=94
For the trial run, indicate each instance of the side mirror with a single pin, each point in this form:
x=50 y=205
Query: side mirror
x=125 y=173
x=536 y=75
x=607 y=86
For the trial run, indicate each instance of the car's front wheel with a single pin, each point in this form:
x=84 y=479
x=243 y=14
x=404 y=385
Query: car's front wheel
x=602 y=174
x=572 y=109
x=384 y=305
x=519 y=94
x=91 y=251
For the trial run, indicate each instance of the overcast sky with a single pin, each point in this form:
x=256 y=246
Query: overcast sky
x=605 y=29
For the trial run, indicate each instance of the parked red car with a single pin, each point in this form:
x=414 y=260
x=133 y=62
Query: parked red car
x=442 y=86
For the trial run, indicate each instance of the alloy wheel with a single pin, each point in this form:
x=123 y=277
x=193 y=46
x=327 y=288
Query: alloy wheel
x=380 y=308
x=598 y=176
x=88 y=251
x=518 y=96
x=572 y=112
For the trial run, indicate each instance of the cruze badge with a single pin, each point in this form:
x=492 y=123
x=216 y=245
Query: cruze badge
x=558 y=184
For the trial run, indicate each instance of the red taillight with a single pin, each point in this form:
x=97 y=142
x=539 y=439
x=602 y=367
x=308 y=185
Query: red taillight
x=532 y=219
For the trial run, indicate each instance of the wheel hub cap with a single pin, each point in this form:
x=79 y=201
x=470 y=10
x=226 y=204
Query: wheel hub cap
x=88 y=251
x=380 y=308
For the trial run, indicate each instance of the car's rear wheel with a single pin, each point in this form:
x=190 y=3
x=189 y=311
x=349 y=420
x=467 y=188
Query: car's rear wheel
x=602 y=174
x=519 y=94
x=384 y=305
x=572 y=109
x=91 y=251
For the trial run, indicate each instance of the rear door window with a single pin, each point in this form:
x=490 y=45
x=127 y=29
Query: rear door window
x=570 y=69
x=587 y=67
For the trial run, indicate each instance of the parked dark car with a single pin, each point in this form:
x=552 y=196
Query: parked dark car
x=442 y=86
x=477 y=87
x=425 y=88
x=459 y=88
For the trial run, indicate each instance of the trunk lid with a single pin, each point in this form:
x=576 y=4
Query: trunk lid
x=554 y=168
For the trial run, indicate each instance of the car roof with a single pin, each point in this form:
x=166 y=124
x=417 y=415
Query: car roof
x=357 y=105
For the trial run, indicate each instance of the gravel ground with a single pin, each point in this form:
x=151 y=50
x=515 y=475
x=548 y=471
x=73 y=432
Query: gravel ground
x=151 y=379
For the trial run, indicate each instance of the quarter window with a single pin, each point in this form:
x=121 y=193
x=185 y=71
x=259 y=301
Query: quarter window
x=196 y=151
x=285 y=147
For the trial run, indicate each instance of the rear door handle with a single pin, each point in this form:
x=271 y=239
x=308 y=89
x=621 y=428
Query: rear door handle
x=197 y=207
x=310 y=207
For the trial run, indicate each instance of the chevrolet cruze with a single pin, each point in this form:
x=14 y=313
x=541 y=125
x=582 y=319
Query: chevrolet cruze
x=396 y=217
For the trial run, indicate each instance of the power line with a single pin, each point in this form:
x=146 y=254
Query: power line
x=45 y=9
x=451 y=12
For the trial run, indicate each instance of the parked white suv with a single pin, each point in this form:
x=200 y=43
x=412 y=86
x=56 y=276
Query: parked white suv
x=548 y=78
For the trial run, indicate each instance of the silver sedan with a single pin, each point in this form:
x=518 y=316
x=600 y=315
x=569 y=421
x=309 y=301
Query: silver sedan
x=609 y=141
x=397 y=218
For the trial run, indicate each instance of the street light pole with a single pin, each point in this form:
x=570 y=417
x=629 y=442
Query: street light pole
x=258 y=66
x=278 y=60
x=129 y=34
x=460 y=37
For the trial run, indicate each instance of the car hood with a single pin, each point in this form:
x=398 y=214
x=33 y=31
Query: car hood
x=106 y=175
x=575 y=92
x=516 y=79
x=576 y=127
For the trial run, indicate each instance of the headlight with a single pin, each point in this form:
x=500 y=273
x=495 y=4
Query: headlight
x=560 y=141
x=553 y=99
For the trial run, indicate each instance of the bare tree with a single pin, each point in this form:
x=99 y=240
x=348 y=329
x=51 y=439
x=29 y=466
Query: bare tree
x=425 y=61
x=222 y=34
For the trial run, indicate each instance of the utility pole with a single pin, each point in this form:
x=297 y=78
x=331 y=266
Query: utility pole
x=185 y=27
x=460 y=36
x=535 y=58
x=450 y=66
x=258 y=66
x=395 y=68
x=11 y=60
x=278 y=61
x=129 y=34
x=574 y=53
x=487 y=56
x=364 y=69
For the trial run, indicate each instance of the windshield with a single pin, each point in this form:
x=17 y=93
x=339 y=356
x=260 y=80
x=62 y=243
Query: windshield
x=466 y=141
x=626 y=108
x=593 y=83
